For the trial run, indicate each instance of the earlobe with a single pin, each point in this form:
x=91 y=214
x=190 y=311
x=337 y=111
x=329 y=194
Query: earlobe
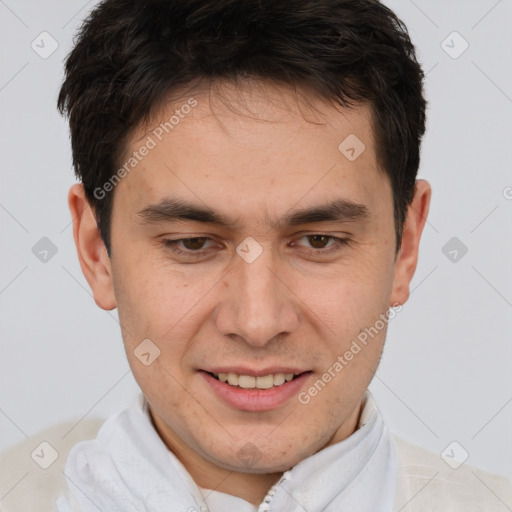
x=91 y=250
x=407 y=258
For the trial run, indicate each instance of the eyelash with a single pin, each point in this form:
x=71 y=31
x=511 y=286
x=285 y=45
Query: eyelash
x=173 y=245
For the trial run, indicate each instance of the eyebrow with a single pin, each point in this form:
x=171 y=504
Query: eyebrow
x=169 y=210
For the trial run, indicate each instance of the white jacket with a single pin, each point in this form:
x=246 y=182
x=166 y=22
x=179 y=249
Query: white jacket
x=425 y=482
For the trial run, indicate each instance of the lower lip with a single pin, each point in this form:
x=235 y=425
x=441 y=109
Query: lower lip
x=256 y=400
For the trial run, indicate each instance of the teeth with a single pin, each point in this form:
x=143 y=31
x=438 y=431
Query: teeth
x=250 y=382
x=279 y=379
x=265 y=382
x=246 y=381
x=233 y=379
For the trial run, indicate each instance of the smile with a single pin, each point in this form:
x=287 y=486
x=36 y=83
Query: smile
x=251 y=382
x=255 y=393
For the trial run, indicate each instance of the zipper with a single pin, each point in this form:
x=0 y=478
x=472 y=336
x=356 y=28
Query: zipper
x=265 y=504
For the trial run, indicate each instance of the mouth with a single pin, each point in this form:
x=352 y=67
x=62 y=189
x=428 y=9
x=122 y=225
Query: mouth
x=254 y=382
x=270 y=389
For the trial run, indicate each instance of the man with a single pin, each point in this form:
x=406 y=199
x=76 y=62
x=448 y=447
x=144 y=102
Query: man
x=248 y=202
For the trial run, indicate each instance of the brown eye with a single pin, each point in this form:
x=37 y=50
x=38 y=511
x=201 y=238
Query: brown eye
x=194 y=244
x=193 y=248
x=318 y=241
x=320 y=244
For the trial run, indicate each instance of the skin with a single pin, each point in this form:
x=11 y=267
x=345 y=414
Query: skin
x=254 y=153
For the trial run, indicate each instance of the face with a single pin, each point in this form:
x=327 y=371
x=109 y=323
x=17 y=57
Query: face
x=245 y=242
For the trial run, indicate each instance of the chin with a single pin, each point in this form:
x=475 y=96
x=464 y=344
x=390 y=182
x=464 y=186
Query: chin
x=262 y=459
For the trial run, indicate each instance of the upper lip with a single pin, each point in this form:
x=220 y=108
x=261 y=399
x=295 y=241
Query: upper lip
x=241 y=370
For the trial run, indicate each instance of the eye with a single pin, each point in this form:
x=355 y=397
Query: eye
x=198 y=247
x=319 y=241
x=323 y=244
x=191 y=246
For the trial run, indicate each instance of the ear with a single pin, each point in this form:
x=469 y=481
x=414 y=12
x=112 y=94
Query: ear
x=407 y=257
x=91 y=250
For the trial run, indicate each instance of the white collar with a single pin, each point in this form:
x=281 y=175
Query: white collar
x=219 y=501
x=128 y=468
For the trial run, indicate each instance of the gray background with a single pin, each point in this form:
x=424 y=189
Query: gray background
x=446 y=373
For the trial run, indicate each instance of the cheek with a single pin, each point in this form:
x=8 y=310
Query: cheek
x=164 y=307
x=154 y=298
x=349 y=298
x=159 y=302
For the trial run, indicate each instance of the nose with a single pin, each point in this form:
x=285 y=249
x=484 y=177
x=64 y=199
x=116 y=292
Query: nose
x=257 y=305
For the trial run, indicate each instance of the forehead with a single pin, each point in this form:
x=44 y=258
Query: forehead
x=254 y=148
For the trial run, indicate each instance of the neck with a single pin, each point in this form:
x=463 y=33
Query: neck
x=251 y=487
